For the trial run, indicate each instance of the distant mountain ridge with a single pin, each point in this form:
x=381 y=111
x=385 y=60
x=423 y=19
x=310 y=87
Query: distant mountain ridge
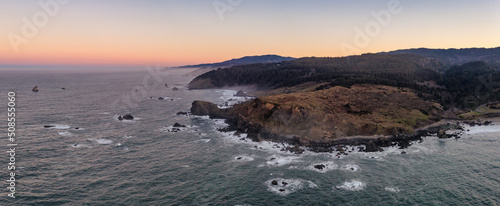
x=456 y=56
x=270 y=58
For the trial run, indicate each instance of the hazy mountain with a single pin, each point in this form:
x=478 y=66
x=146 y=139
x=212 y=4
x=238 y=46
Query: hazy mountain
x=456 y=56
x=244 y=60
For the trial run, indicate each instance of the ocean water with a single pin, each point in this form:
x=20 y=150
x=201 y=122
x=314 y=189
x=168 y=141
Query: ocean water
x=139 y=162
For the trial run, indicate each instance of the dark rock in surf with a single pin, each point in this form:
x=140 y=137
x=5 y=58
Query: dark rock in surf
x=179 y=125
x=372 y=147
x=182 y=113
x=128 y=117
x=241 y=94
x=319 y=167
x=274 y=182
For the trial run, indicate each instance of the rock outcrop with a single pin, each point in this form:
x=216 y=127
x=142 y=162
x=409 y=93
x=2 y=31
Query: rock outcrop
x=207 y=108
x=35 y=89
x=178 y=125
x=241 y=93
x=321 y=119
x=128 y=117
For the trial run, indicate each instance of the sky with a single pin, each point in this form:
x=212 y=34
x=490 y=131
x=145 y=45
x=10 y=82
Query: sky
x=181 y=32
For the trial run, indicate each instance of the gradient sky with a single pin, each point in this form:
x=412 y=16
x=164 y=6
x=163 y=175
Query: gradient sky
x=178 y=32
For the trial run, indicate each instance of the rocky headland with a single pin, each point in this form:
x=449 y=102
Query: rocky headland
x=371 y=115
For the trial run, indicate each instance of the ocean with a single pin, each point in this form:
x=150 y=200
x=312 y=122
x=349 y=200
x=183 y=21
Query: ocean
x=89 y=157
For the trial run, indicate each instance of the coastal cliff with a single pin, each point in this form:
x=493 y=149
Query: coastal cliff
x=328 y=117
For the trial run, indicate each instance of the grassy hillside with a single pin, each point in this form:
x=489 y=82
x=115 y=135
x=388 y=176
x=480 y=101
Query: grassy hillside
x=326 y=115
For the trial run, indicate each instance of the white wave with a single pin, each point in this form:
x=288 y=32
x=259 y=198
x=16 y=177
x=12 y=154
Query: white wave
x=115 y=117
x=323 y=167
x=171 y=99
x=174 y=129
x=127 y=137
x=392 y=189
x=103 y=141
x=482 y=129
x=65 y=134
x=278 y=161
x=286 y=186
x=80 y=145
x=350 y=167
x=353 y=185
x=200 y=117
x=243 y=158
x=229 y=139
x=203 y=140
x=58 y=126
x=228 y=98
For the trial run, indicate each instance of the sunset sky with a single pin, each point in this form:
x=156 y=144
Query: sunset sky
x=179 y=32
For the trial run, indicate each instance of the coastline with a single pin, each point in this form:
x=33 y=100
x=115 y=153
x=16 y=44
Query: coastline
x=444 y=128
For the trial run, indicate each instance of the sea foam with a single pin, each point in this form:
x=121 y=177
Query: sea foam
x=102 y=141
x=353 y=185
x=323 y=167
x=392 y=189
x=286 y=186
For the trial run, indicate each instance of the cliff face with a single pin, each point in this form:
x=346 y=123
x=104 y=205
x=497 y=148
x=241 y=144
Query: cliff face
x=327 y=115
x=206 y=108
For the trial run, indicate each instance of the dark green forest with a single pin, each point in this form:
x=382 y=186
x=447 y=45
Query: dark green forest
x=462 y=86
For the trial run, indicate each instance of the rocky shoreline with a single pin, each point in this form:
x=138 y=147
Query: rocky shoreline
x=442 y=129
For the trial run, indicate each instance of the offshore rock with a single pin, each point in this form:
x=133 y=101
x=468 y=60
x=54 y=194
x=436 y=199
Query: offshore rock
x=128 y=117
x=206 y=108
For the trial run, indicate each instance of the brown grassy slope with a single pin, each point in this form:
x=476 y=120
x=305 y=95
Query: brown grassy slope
x=325 y=115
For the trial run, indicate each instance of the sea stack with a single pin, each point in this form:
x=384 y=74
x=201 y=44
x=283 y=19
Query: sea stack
x=35 y=89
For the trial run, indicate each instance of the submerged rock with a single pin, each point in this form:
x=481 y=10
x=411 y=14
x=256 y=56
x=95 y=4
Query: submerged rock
x=175 y=89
